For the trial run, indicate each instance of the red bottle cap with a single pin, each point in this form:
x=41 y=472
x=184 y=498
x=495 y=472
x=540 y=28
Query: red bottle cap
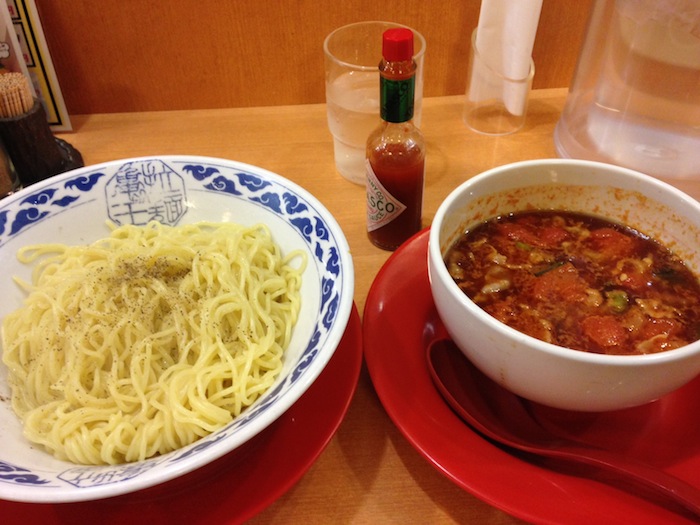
x=397 y=44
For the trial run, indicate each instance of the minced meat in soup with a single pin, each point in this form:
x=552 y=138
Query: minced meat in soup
x=578 y=281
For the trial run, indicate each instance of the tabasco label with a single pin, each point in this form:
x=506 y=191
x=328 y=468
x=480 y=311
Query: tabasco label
x=382 y=207
x=396 y=99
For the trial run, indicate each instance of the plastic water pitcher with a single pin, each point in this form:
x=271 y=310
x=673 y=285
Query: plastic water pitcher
x=635 y=97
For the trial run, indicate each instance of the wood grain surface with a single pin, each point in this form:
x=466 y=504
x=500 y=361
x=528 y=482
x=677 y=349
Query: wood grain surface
x=146 y=55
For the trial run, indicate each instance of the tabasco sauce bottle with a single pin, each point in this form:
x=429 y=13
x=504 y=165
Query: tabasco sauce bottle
x=396 y=149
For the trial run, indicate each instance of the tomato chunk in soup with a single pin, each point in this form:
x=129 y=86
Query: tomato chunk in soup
x=578 y=281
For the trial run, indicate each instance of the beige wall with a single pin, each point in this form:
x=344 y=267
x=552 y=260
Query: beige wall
x=139 y=55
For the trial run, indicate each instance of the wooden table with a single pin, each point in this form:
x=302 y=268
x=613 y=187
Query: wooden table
x=369 y=473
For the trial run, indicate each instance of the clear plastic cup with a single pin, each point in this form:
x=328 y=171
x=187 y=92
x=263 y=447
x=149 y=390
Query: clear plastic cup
x=495 y=104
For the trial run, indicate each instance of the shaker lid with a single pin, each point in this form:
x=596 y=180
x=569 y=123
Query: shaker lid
x=397 y=44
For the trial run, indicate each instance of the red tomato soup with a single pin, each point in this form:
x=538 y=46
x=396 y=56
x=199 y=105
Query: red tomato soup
x=578 y=281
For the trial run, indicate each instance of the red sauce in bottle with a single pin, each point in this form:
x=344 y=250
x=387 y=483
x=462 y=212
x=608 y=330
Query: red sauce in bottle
x=395 y=150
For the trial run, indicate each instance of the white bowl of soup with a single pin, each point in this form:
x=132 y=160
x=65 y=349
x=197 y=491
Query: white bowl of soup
x=176 y=306
x=571 y=283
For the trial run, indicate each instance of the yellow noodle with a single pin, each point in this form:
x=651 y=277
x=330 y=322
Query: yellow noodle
x=149 y=339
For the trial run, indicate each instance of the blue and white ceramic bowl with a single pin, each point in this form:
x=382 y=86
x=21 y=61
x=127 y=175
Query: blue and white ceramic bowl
x=73 y=208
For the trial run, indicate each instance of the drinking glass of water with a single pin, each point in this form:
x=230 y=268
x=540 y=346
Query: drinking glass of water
x=352 y=56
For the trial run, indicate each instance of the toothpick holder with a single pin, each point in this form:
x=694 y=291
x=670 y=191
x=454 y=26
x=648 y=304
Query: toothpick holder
x=35 y=152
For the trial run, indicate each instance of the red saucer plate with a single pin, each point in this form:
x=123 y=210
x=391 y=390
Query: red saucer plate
x=398 y=323
x=238 y=486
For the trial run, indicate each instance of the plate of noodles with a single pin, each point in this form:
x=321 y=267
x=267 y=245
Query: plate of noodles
x=157 y=313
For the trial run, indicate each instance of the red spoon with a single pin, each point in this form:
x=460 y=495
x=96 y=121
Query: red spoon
x=502 y=416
